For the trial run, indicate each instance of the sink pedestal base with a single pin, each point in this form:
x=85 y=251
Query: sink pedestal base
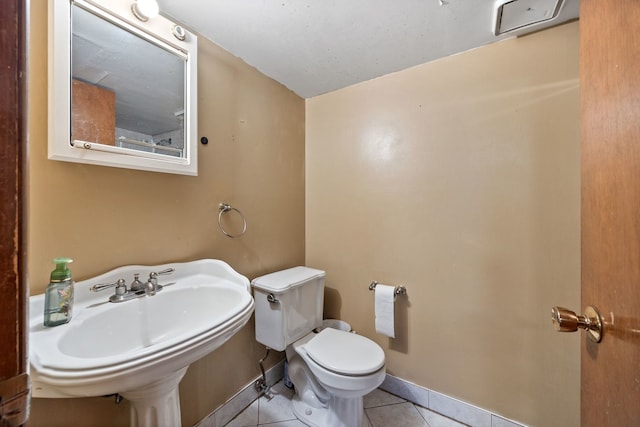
x=157 y=403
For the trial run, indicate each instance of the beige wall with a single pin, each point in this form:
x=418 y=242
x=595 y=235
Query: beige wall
x=106 y=217
x=460 y=180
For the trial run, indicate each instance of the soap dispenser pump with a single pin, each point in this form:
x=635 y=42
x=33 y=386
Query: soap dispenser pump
x=58 y=298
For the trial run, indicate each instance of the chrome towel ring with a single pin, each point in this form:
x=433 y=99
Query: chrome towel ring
x=224 y=207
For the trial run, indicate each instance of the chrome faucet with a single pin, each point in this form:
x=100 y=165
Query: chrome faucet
x=152 y=286
x=136 y=285
x=137 y=288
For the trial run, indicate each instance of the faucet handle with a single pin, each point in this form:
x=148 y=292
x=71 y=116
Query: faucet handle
x=151 y=287
x=121 y=289
x=155 y=274
x=120 y=285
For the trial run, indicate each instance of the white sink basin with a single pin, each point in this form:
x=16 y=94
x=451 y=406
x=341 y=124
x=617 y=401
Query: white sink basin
x=145 y=343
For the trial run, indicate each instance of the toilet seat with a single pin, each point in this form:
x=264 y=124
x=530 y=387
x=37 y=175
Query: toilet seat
x=345 y=353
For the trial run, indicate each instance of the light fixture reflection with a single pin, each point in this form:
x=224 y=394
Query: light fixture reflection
x=145 y=9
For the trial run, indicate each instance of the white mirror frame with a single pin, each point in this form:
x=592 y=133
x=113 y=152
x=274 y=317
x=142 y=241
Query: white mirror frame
x=157 y=30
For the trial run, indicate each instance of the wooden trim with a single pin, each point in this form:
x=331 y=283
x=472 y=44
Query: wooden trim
x=610 y=209
x=13 y=304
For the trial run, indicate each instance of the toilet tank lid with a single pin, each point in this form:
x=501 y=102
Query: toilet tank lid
x=282 y=281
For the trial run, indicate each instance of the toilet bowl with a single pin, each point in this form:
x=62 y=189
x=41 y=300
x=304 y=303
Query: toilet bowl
x=331 y=370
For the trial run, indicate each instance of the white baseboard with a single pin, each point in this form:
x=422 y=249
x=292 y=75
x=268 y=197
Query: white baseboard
x=448 y=406
x=437 y=402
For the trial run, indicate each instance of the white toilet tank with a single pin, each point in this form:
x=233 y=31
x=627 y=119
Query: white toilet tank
x=288 y=305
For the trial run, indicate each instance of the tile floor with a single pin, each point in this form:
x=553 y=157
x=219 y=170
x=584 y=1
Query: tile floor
x=382 y=409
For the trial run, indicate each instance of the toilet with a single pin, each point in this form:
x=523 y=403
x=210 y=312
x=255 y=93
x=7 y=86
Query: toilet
x=330 y=369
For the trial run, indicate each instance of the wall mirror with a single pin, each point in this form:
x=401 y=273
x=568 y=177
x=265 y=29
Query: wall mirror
x=122 y=91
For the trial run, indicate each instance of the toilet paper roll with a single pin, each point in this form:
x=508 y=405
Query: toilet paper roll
x=385 y=297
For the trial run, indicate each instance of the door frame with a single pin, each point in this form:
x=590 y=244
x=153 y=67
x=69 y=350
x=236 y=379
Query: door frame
x=14 y=382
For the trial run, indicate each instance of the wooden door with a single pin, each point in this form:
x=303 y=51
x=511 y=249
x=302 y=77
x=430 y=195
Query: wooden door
x=610 y=151
x=14 y=383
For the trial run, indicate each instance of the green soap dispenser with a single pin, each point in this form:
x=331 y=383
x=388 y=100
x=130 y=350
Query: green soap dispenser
x=58 y=298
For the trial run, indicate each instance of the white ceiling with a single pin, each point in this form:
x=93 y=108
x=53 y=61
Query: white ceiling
x=317 y=46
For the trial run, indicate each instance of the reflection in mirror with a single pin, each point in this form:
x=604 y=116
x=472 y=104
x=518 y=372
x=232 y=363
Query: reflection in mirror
x=124 y=91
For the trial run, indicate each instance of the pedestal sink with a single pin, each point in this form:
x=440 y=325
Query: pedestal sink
x=140 y=348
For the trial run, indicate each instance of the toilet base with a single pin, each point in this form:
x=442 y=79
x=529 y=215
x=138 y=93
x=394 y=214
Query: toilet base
x=339 y=412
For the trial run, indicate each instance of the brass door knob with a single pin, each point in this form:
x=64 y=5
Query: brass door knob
x=565 y=320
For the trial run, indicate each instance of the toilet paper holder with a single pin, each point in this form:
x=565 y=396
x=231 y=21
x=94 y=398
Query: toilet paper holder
x=398 y=290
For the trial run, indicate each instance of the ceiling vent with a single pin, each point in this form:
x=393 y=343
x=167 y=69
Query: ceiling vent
x=512 y=15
